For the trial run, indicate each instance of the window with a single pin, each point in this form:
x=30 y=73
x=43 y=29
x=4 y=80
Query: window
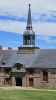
x=28 y=37
x=6 y=80
x=45 y=75
x=7 y=70
x=30 y=81
x=25 y=40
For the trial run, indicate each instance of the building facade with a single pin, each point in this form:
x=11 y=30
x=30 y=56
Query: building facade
x=29 y=66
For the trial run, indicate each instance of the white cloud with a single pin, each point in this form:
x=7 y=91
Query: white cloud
x=20 y=8
x=19 y=27
x=45 y=28
x=47 y=39
x=12 y=26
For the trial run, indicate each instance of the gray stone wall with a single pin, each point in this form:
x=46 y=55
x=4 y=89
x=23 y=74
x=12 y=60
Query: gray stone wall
x=24 y=81
x=1 y=77
x=38 y=79
x=13 y=81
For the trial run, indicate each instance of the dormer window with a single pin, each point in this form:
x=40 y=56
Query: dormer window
x=3 y=62
x=7 y=70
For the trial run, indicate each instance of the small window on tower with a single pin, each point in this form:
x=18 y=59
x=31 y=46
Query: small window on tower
x=25 y=40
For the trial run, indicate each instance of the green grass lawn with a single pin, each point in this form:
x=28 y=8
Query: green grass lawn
x=26 y=95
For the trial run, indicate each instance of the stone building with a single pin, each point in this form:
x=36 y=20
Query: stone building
x=29 y=65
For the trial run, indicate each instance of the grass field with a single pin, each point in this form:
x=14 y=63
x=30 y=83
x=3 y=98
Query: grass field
x=27 y=95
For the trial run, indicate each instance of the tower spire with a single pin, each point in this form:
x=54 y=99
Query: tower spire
x=29 y=21
x=29 y=35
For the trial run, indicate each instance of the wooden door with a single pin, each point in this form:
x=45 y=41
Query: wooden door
x=45 y=75
x=31 y=82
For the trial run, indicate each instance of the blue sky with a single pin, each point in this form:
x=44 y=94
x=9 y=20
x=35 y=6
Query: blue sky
x=13 y=18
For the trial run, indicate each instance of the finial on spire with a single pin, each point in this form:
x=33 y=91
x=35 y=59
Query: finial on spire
x=29 y=5
x=29 y=21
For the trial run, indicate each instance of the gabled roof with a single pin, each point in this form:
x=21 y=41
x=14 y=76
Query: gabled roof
x=46 y=59
x=25 y=59
x=42 y=58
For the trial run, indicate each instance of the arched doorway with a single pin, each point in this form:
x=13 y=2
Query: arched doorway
x=18 y=72
x=18 y=81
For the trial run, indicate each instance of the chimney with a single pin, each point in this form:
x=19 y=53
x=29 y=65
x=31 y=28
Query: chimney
x=10 y=50
x=1 y=51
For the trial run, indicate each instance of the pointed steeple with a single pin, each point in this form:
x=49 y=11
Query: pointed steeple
x=29 y=35
x=29 y=21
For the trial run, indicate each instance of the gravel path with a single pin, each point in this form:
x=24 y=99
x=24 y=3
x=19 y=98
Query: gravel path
x=25 y=88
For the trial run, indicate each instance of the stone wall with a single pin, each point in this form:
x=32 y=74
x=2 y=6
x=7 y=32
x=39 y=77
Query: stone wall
x=4 y=75
x=1 y=51
x=1 y=76
x=38 y=79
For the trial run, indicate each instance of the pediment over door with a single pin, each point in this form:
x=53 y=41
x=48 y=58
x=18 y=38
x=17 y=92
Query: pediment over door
x=18 y=68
